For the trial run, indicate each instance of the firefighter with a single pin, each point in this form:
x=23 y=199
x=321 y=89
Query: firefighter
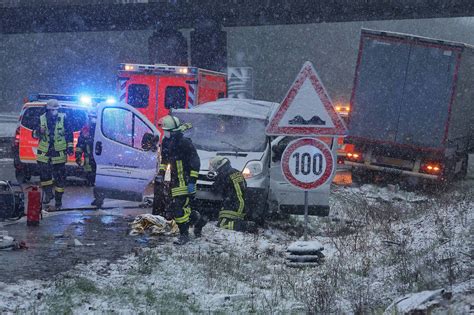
x=231 y=185
x=55 y=136
x=180 y=154
x=84 y=147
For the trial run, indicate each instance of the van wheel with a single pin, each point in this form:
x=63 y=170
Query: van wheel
x=22 y=176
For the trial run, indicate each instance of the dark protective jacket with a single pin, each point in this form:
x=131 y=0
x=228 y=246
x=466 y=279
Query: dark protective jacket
x=58 y=136
x=179 y=152
x=230 y=183
x=85 y=145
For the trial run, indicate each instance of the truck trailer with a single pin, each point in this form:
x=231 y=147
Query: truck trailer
x=412 y=107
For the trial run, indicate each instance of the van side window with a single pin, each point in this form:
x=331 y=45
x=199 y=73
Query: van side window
x=175 y=97
x=138 y=95
x=124 y=127
x=31 y=116
x=139 y=130
x=117 y=125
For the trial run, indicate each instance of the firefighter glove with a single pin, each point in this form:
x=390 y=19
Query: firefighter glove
x=191 y=188
x=70 y=151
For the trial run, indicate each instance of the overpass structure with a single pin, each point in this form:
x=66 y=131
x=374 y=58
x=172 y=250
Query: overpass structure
x=207 y=18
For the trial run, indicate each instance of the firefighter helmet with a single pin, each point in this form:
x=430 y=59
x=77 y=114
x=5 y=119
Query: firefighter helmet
x=170 y=123
x=52 y=104
x=217 y=162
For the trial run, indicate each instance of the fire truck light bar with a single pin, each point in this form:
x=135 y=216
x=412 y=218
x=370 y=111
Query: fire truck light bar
x=157 y=68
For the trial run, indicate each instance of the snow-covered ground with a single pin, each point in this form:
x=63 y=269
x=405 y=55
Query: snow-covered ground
x=381 y=246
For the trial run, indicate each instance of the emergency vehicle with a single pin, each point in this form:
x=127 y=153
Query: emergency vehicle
x=25 y=146
x=154 y=90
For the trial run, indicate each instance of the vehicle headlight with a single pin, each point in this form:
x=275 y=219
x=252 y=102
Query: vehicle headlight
x=252 y=169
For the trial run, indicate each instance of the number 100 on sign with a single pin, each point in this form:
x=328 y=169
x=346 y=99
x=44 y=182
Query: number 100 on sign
x=307 y=163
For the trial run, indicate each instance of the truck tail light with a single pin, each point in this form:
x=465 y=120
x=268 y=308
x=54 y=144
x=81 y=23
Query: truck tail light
x=431 y=168
x=354 y=156
x=16 y=141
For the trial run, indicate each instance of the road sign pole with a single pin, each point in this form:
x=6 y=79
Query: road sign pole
x=305 y=215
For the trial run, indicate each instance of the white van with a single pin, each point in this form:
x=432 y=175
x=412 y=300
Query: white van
x=234 y=128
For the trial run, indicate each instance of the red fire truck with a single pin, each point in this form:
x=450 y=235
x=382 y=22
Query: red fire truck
x=156 y=89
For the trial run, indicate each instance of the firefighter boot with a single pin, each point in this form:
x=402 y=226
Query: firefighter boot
x=183 y=234
x=58 y=201
x=47 y=195
x=200 y=223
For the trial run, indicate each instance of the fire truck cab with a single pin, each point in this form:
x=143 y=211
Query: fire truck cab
x=154 y=90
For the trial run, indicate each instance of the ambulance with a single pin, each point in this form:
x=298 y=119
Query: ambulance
x=25 y=146
x=155 y=90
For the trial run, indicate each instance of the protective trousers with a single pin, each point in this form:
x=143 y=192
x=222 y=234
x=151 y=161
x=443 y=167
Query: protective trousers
x=53 y=174
x=237 y=225
x=90 y=173
x=181 y=208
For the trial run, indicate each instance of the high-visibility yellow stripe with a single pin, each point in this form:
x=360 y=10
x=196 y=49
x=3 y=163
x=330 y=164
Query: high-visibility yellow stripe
x=59 y=189
x=228 y=214
x=179 y=167
x=179 y=191
x=46 y=183
x=187 y=213
x=236 y=178
x=194 y=174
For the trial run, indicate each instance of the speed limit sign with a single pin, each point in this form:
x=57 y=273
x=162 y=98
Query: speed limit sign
x=307 y=163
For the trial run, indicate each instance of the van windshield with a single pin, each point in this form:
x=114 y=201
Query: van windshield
x=31 y=116
x=225 y=133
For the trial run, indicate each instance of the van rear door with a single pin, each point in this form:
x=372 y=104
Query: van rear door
x=140 y=92
x=124 y=168
x=172 y=94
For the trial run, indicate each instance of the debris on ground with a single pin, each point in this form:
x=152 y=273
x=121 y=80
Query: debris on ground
x=154 y=224
x=420 y=302
x=9 y=243
x=304 y=254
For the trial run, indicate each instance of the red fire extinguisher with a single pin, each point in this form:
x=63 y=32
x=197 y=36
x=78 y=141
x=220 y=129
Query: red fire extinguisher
x=33 y=211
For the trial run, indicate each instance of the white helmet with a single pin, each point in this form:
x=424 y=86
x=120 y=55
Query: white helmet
x=217 y=162
x=52 y=104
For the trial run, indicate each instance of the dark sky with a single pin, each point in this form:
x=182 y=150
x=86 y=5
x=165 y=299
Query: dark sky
x=87 y=62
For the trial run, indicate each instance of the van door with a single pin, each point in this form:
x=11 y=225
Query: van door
x=124 y=168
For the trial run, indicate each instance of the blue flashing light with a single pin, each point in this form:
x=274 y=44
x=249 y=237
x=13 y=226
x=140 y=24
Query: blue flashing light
x=85 y=99
x=111 y=100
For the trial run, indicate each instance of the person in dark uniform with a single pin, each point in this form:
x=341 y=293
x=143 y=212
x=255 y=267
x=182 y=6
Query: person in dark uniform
x=55 y=136
x=231 y=185
x=180 y=154
x=84 y=147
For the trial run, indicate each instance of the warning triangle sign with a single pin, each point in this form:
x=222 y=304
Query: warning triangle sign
x=306 y=109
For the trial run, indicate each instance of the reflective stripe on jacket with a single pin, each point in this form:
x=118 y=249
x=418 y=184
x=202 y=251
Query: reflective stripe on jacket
x=230 y=183
x=180 y=153
x=59 y=134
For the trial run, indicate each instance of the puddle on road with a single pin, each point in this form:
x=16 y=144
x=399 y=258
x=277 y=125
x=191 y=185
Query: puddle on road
x=51 y=245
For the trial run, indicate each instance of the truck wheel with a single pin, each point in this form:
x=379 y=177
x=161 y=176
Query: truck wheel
x=463 y=171
x=362 y=176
